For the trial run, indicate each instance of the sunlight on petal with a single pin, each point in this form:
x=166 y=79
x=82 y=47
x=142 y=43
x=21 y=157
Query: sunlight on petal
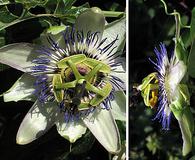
x=119 y=106
x=176 y=74
x=70 y=130
x=39 y=119
x=102 y=125
x=21 y=90
x=114 y=29
x=17 y=55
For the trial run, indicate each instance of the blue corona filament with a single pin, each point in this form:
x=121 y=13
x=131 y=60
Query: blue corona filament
x=161 y=65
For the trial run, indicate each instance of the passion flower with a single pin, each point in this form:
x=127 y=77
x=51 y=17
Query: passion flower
x=74 y=80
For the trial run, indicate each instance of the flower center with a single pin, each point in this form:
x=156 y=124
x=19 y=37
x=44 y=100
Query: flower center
x=80 y=83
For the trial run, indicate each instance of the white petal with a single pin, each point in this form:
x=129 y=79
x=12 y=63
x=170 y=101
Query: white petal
x=175 y=75
x=71 y=130
x=56 y=33
x=21 y=90
x=92 y=20
x=167 y=111
x=119 y=106
x=39 y=119
x=121 y=74
x=17 y=55
x=111 y=31
x=102 y=125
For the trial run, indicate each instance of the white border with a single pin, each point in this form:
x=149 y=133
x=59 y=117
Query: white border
x=127 y=79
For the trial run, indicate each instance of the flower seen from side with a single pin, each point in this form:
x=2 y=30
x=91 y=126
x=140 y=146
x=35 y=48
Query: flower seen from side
x=162 y=88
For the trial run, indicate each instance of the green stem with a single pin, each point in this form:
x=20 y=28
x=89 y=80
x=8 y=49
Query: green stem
x=106 y=14
x=177 y=24
x=173 y=14
x=109 y=13
x=113 y=14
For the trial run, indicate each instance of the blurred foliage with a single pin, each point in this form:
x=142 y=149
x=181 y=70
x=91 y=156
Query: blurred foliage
x=149 y=25
x=25 y=21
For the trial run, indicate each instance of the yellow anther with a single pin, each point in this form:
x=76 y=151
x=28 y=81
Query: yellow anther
x=153 y=100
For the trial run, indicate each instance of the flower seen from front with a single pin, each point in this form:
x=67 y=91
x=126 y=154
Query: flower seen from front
x=77 y=78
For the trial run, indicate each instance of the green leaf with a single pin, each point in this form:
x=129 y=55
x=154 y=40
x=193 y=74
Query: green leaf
x=191 y=60
x=153 y=143
x=180 y=51
x=68 y=4
x=186 y=124
x=122 y=129
x=4 y=2
x=29 y=4
x=192 y=25
x=185 y=38
x=7 y=19
x=192 y=158
x=63 y=6
x=78 y=10
x=6 y=16
x=74 y=12
x=114 y=6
